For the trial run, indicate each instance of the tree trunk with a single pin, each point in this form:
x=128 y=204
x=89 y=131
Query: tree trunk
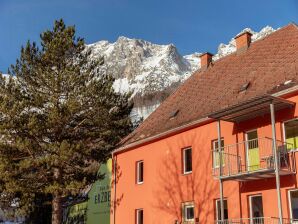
x=56 y=209
x=57 y=201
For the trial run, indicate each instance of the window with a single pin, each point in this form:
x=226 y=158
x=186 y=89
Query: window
x=139 y=216
x=188 y=211
x=218 y=209
x=291 y=134
x=216 y=155
x=293 y=199
x=140 y=172
x=256 y=207
x=252 y=139
x=187 y=160
x=244 y=87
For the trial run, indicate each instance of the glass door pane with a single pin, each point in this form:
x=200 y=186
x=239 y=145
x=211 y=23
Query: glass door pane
x=216 y=154
x=218 y=210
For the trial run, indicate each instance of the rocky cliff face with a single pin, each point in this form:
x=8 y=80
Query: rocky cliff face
x=151 y=71
x=141 y=66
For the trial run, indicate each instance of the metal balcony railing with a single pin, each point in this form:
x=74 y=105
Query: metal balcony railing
x=252 y=157
x=260 y=220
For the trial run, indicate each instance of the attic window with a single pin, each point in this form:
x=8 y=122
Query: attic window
x=244 y=87
x=174 y=114
x=288 y=82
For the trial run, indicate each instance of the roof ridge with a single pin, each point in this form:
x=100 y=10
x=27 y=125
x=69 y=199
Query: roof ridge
x=293 y=23
x=286 y=26
x=256 y=41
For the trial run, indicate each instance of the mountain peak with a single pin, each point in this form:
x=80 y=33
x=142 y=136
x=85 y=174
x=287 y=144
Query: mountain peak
x=121 y=38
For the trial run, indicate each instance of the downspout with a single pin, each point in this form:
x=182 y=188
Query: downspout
x=220 y=173
x=276 y=164
x=239 y=183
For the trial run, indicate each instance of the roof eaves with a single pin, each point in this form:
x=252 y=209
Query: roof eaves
x=163 y=134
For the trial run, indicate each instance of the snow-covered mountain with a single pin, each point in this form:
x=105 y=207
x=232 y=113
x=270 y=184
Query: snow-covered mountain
x=151 y=71
x=141 y=66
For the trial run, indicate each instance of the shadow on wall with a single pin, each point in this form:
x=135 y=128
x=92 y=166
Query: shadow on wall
x=176 y=188
x=173 y=188
x=117 y=201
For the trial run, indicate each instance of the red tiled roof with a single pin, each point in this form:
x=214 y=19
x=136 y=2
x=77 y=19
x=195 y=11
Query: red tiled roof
x=267 y=63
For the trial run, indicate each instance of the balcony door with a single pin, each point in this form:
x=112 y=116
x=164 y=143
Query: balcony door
x=256 y=209
x=252 y=150
x=291 y=134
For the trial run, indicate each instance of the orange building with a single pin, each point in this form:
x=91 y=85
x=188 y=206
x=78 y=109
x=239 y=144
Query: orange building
x=221 y=148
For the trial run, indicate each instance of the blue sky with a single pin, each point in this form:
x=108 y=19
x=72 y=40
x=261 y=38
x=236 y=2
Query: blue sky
x=192 y=25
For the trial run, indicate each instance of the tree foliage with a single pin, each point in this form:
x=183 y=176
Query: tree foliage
x=59 y=119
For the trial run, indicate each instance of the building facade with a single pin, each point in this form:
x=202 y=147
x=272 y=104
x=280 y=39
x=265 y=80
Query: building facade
x=222 y=148
x=94 y=206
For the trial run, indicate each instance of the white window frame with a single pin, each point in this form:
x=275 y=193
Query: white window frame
x=290 y=204
x=138 y=172
x=184 y=160
x=284 y=132
x=250 y=205
x=184 y=209
x=214 y=153
x=217 y=203
x=137 y=215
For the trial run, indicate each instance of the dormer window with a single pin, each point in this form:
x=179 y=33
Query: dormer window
x=173 y=114
x=244 y=87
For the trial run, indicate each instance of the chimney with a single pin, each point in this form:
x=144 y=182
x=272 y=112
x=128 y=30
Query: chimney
x=206 y=59
x=243 y=41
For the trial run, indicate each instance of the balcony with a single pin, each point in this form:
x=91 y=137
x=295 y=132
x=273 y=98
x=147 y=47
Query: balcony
x=253 y=159
x=259 y=220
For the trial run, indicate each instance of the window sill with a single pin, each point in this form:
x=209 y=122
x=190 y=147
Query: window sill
x=139 y=183
x=188 y=222
x=217 y=167
x=187 y=173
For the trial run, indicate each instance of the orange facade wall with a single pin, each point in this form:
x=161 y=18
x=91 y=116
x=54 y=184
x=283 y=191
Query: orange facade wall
x=165 y=188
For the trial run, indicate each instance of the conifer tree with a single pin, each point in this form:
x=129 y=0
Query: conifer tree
x=59 y=120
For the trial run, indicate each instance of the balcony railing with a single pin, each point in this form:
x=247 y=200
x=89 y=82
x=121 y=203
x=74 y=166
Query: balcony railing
x=261 y=220
x=252 y=159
